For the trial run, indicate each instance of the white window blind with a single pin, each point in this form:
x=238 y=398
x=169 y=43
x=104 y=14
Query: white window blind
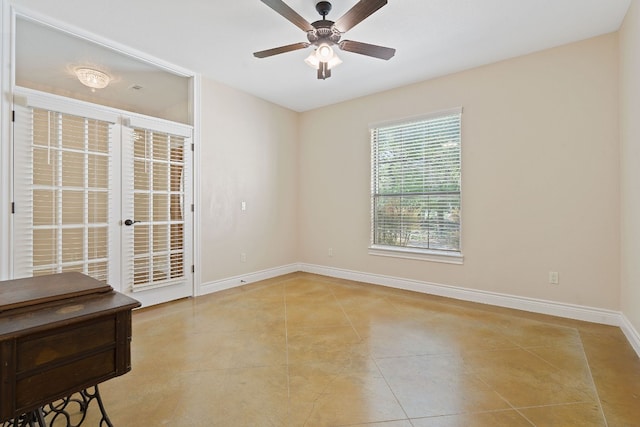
x=63 y=193
x=415 y=191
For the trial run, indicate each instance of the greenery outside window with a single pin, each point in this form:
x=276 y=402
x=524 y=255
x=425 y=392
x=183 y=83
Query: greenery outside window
x=415 y=186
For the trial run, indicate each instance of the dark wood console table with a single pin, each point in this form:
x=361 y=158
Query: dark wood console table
x=59 y=334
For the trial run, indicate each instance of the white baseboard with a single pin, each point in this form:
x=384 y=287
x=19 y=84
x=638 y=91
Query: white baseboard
x=240 y=280
x=552 y=308
x=631 y=333
x=570 y=311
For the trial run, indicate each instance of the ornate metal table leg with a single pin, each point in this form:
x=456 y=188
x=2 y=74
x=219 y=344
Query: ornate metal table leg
x=27 y=420
x=96 y=395
x=40 y=417
x=66 y=409
x=78 y=405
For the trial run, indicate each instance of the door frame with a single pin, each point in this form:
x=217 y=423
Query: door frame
x=8 y=13
x=154 y=295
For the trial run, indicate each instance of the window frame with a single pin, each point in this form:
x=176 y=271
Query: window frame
x=426 y=254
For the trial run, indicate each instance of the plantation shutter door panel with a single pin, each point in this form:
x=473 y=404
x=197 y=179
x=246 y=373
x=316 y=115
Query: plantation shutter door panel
x=22 y=190
x=157 y=200
x=63 y=193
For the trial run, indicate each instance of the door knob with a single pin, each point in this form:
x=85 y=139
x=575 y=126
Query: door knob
x=130 y=222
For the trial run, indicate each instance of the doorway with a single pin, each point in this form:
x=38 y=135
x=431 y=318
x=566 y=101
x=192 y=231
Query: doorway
x=103 y=192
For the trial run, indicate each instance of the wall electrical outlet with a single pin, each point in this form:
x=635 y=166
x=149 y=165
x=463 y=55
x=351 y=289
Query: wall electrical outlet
x=243 y=257
x=553 y=277
x=330 y=253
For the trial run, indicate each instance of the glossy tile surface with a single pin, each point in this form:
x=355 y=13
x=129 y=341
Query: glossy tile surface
x=306 y=350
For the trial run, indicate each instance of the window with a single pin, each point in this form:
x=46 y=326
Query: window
x=415 y=187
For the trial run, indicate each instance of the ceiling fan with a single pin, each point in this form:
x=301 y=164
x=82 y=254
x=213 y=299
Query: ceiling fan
x=324 y=34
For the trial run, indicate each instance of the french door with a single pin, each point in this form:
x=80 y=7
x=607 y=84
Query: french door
x=157 y=209
x=105 y=195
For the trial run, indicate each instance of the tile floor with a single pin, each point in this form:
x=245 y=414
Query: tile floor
x=307 y=350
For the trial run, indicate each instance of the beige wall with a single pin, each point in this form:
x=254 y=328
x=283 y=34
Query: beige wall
x=248 y=153
x=630 y=164
x=540 y=176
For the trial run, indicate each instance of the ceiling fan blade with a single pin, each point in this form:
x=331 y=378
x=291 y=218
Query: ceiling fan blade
x=358 y=13
x=367 y=49
x=281 y=49
x=290 y=14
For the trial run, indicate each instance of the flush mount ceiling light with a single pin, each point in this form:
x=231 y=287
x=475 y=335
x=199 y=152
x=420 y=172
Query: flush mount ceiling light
x=324 y=33
x=92 y=78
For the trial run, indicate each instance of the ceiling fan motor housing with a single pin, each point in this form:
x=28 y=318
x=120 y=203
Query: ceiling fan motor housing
x=324 y=31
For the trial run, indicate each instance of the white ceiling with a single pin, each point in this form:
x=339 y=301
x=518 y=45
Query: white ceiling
x=216 y=38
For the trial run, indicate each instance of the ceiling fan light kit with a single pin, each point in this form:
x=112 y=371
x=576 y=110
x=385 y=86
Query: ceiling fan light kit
x=324 y=52
x=324 y=34
x=323 y=59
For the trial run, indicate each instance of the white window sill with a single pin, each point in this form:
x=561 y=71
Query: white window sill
x=418 y=254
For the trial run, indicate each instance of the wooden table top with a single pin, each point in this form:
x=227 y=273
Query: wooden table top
x=27 y=305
